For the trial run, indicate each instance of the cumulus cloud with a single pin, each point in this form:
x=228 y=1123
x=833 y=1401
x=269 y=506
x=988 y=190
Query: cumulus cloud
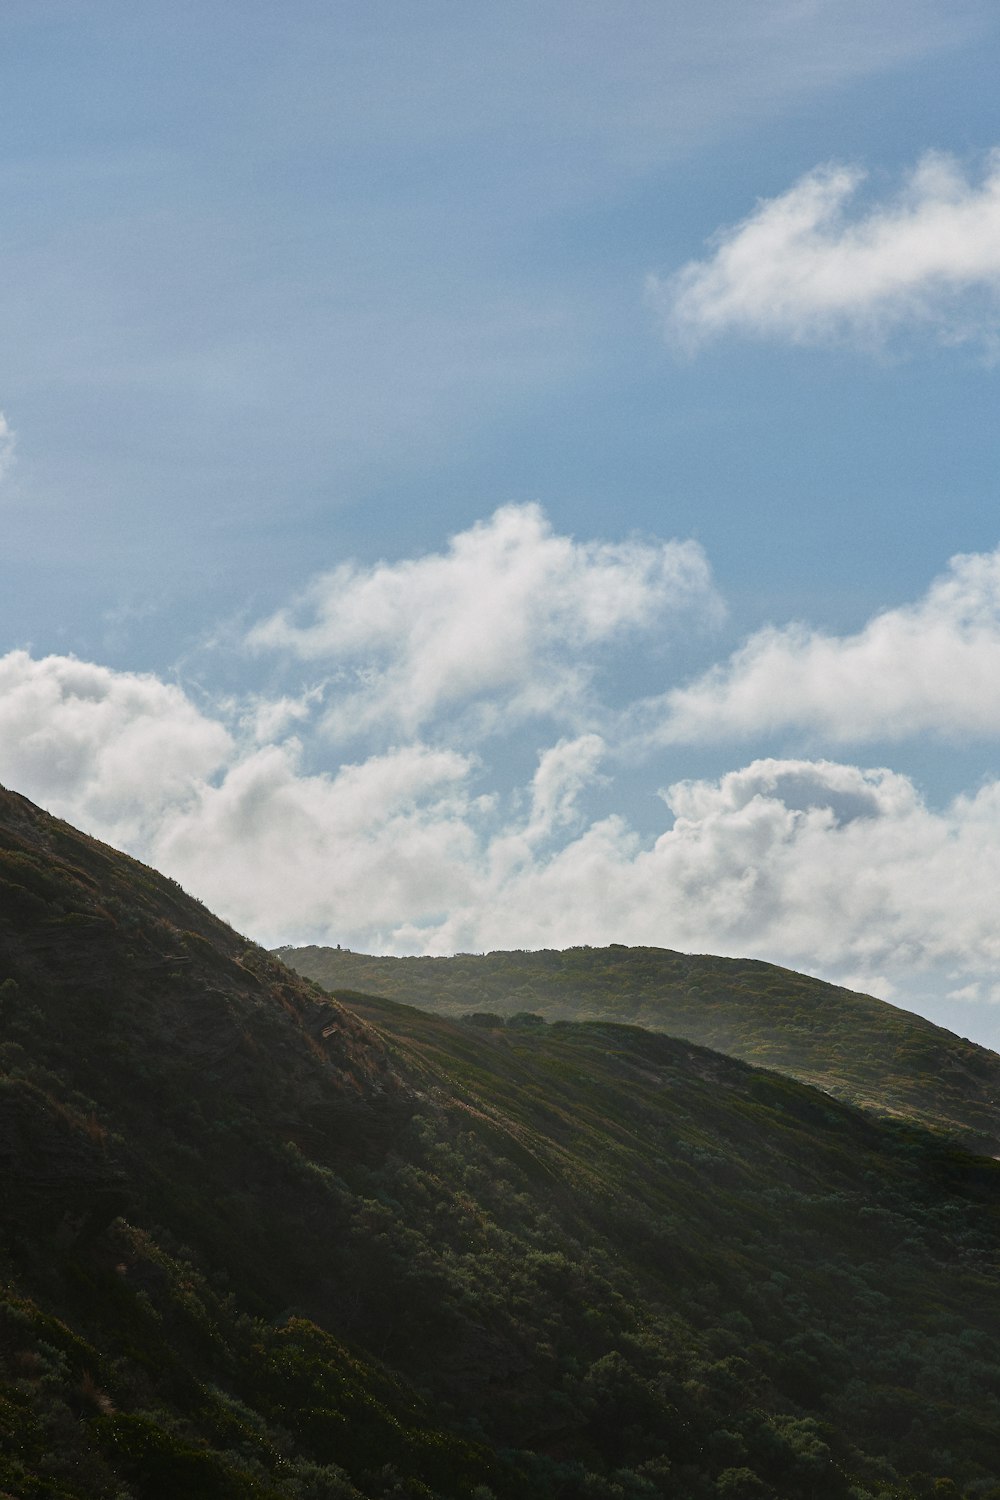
x=507 y=621
x=817 y=865
x=277 y=851
x=801 y=267
x=134 y=761
x=932 y=666
x=113 y=751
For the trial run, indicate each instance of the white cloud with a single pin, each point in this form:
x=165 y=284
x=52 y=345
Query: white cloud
x=276 y=851
x=800 y=267
x=270 y=719
x=509 y=620
x=816 y=865
x=563 y=773
x=930 y=667
x=113 y=751
x=134 y=761
x=7 y=441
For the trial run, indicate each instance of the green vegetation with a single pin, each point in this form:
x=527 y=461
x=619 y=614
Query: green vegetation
x=852 y=1046
x=260 y=1242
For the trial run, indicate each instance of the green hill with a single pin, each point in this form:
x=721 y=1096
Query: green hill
x=256 y=1242
x=853 y=1046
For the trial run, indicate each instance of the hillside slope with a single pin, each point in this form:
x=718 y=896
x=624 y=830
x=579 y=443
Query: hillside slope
x=853 y=1046
x=258 y=1243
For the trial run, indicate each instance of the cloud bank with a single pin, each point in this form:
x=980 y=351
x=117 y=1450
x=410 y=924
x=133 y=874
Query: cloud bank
x=425 y=845
x=928 y=668
x=800 y=267
x=817 y=864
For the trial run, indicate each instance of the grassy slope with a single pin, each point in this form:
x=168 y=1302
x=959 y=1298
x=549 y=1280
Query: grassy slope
x=852 y=1045
x=260 y=1243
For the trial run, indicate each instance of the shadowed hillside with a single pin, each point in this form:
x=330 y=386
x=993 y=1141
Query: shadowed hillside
x=256 y=1242
x=855 y=1047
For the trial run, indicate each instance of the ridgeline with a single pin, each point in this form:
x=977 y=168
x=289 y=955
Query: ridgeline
x=856 y=1048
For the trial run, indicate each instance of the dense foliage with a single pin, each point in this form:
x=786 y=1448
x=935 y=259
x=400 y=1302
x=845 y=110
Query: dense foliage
x=258 y=1242
x=853 y=1046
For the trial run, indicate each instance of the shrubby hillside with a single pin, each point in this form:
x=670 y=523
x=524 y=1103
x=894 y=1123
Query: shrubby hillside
x=853 y=1046
x=259 y=1242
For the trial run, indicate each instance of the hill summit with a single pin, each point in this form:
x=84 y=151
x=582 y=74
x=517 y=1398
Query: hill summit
x=853 y=1046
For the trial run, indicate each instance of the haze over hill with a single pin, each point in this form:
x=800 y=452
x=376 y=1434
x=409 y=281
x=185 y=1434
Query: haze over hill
x=260 y=1242
x=854 y=1046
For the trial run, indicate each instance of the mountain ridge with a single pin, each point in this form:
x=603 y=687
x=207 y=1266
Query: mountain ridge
x=855 y=1047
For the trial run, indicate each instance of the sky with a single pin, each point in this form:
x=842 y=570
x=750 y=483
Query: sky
x=481 y=477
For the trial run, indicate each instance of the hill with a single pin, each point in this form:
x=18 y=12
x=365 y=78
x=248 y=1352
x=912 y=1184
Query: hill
x=853 y=1046
x=256 y=1242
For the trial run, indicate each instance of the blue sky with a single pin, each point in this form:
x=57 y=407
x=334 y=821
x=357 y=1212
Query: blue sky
x=486 y=477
